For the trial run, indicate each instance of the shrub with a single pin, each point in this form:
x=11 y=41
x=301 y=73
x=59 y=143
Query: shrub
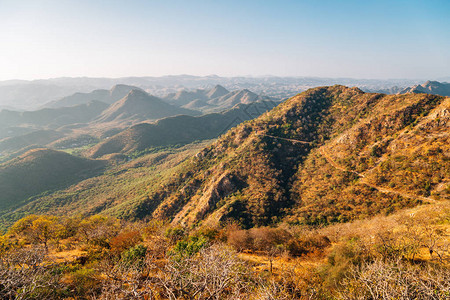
x=124 y=241
x=307 y=244
x=189 y=247
x=396 y=280
x=135 y=255
x=84 y=281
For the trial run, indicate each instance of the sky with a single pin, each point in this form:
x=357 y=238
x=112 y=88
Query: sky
x=374 y=39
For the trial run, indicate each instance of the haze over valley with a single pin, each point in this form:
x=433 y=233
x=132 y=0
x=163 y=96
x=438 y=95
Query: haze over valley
x=329 y=179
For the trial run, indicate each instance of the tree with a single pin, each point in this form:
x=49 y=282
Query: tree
x=38 y=229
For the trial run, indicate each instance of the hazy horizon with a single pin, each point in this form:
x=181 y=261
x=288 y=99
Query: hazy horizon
x=440 y=78
x=111 y=39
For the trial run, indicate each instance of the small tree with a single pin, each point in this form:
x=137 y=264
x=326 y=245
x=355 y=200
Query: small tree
x=38 y=229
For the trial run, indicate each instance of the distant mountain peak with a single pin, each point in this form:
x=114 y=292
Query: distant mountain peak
x=430 y=87
x=137 y=93
x=120 y=90
x=138 y=105
x=217 y=91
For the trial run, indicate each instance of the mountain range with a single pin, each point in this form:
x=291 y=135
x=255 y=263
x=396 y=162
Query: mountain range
x=139 y=106
x=182 y=129
x=213 y=100
x=430 y=87
x=330 y=154
x=116 y=93
x=31 y=95
x=87 y=118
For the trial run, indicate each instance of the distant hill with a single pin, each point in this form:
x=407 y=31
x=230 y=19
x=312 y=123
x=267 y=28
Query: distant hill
x=33 y=94
x=40 y=170
x=137 y=105
x=430 y=87
x=217 y=91
x=328 y=155
x=38 y=137
x=241 y=96
x=175 y=130
x=53 y=117
x=116 y=93
x=6 y=131
x=213 y=100
x=184 y=97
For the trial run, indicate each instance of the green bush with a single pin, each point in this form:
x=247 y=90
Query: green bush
x=135 y=255
x=190 y=246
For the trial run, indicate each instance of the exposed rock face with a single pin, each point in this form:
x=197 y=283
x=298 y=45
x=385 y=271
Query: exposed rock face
x=218 y=188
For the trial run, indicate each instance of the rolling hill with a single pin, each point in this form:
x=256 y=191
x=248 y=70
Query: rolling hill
x=176 y=130
x=137 y=106
x=116 y=93
x=53 y=117
x=38 y=171
x=327 y=155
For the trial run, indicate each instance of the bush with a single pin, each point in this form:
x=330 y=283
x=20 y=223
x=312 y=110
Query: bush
x=396 y=280
x=135 y=255
x=84 y=281
x=189 y=247
x=124 y=241
x=307 y=244
x=343 y=257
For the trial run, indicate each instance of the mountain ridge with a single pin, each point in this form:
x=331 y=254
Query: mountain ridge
x=302 y=163
x=137 y=105
x=430 y=87
x=110 y=96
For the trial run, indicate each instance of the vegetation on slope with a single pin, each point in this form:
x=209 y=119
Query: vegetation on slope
x=327 y=155
x=137 y=105
x=272 y=168
x=117 y=191
x=403 y=256
x=181 y=129
x=38 y=171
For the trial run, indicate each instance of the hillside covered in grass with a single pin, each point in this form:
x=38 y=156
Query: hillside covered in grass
x=324 y=156
x=41 y=170
x=328 y=155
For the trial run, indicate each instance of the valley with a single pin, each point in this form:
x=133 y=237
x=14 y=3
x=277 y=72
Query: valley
x=315 y=182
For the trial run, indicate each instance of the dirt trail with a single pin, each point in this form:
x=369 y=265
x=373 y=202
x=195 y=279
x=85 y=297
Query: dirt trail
x=336 y=165
x=285 y=139
x=363 y=178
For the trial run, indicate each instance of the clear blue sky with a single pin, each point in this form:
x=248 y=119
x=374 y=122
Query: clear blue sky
x=355 y=38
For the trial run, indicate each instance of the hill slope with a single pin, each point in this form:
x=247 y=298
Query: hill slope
x=38 y=137
x=181 y=129
x=330 y=154
x=301 y=162
x=53 y=117
x=116 y=93
x=40 y=170
x=430 y=87
x=137 y=105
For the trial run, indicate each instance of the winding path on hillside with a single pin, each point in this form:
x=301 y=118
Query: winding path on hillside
x=363 y=178
x=285 y=139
